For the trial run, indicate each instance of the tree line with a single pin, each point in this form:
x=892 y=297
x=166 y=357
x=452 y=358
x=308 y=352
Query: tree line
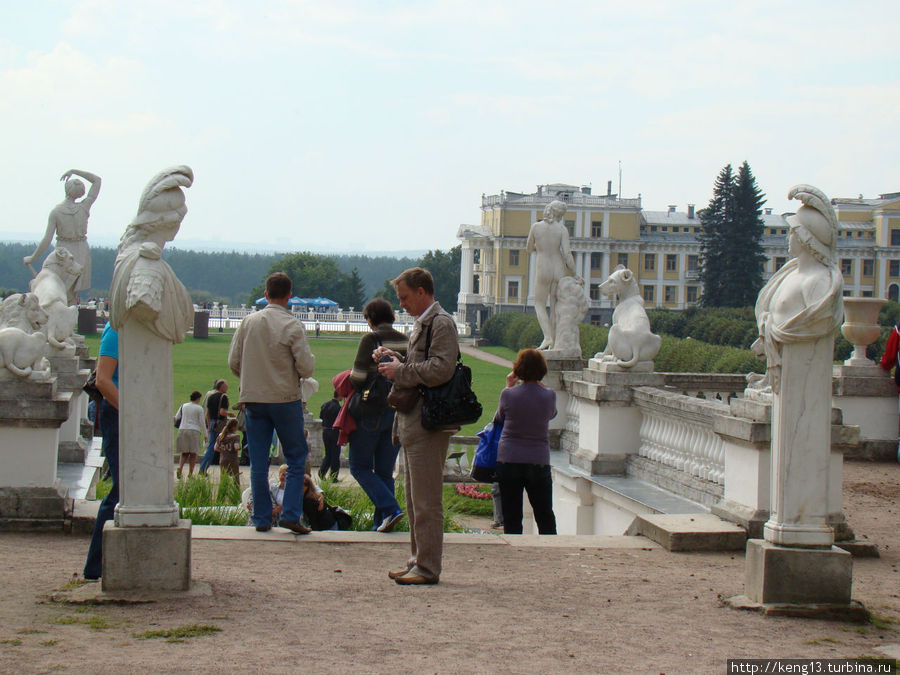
x=237 y=278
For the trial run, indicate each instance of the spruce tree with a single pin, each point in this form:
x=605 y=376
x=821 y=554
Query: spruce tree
x=731 y=255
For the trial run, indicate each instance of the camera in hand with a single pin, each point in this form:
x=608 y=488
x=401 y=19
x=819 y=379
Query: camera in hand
x=386 y=358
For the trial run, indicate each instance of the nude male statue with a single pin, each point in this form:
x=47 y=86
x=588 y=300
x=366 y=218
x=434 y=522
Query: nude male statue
x=68 y=220
x=550 y=239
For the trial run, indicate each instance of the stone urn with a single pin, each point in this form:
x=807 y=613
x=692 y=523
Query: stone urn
x=861 y=327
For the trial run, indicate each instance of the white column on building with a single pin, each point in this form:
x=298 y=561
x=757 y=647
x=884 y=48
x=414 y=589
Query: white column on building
x=857 y=275
x=881 y=279
x=466 y=264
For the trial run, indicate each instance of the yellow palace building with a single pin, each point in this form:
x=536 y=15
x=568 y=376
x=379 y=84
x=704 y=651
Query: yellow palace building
x=661 y=247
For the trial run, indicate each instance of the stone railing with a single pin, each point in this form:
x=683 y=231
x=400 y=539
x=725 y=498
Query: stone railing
x=709 y=386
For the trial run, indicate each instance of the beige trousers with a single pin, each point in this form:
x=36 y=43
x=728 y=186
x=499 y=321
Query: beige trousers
x=425 y=453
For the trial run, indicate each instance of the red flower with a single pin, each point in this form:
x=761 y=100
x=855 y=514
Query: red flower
x=473 y=491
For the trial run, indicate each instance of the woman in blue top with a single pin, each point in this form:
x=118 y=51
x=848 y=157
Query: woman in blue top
x=523 y=457
x=108 y=412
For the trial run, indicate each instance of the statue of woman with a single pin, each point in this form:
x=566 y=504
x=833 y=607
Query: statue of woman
x=143 y=285
x=68 y=220
x=803 y=300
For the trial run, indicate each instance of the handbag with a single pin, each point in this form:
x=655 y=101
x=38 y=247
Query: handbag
x=373 y=397
x=452 y=404
x=403 y=399
x=484 y=462
x=178 y=416
x=90 y=388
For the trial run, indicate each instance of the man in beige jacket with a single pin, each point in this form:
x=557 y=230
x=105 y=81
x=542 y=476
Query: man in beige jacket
x=425 y=451
x=270 y=354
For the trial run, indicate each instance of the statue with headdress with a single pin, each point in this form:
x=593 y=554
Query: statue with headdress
x=143 y=285
x=802 y=301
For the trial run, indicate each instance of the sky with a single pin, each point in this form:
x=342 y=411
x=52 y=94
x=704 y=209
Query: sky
x=366 y=126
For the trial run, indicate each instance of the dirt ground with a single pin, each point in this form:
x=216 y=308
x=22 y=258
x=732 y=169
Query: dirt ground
x=330 y=608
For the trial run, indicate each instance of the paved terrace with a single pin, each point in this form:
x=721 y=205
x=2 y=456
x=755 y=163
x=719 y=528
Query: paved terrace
x=511 y=604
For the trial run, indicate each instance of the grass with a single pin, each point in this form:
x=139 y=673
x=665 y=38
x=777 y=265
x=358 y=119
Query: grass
x=179 y=634
x=499 y=350
x=198 y=363
x=94 y=622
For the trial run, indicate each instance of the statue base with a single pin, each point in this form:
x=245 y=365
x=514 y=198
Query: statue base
x=603 y=366
x=782 y=575
x=146 y=558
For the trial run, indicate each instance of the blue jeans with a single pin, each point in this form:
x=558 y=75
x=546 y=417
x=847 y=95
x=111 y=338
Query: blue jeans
x=372 y=457
x=285 y=419
x=109 y=427
x=210 y=453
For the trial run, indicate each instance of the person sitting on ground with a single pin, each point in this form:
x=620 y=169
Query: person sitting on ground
x=191 y=419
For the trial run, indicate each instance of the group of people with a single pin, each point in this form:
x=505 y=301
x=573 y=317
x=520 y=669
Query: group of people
x=270 y=354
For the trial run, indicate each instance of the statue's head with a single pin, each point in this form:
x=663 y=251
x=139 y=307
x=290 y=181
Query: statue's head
x=555 y=210
x=161 y=208
x=815 y=224
x=74 y=188
x=62 y=262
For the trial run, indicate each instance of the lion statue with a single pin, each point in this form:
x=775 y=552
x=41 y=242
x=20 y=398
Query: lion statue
x=22 y=311
x=630 y=340
x=22 y=354
x=54 y=287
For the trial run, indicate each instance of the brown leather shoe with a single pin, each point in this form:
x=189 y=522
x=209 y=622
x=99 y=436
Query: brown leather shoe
x=410 y=579
x=393 y=574
x=296 y=528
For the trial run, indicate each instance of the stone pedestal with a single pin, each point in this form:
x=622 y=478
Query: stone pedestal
x=87 y=321
x=781 y=575
x=557 y=365
x=201 y=324
x=146 y=446
x=608 y=423
x=867 y=397
x=801 y=447
x=31 y=412
x=147 y=558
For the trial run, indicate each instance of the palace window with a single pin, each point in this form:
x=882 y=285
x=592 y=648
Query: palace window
x=512 y=290
x=690 y=294
x=476 y=284
x=867 y=294
x=597 y=229
x=671 y=293
x=622 y=259
x=594 y=292
x=476 y=256
x=869 y=267
x=596 y=261
x=895 y=237
x=894 y=268
x=570 y=226
x=513 y=257
x=693 y=262
x=671 y=262
x=649 y=262
x=846 y=266
x=779 y=262
x=648 y=293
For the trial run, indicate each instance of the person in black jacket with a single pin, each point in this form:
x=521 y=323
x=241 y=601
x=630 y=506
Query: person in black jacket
x=331 y=462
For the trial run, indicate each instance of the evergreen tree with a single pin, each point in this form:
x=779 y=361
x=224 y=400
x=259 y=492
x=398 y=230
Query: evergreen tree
x=354 y=292
x=731 y=255
x=746 y=275
x=714 y=221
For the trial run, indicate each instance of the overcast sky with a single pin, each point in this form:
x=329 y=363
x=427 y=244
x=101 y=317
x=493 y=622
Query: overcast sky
x=364 y=125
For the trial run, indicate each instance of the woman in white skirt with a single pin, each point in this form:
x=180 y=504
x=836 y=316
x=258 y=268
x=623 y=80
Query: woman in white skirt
x=191 y=422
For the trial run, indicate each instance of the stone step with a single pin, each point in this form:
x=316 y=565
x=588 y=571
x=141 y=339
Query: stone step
x=690 y=532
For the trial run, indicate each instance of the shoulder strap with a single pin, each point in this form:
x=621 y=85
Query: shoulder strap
x=428 y=344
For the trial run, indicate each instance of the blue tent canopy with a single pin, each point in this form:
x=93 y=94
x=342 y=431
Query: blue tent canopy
x=297 y=301
x=322 y=302
x=261 y=301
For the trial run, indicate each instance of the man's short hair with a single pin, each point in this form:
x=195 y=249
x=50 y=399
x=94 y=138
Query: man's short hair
x=278 y=285
x=378 y=311
x=416 y=277
x=219 y=384
x=530 y=365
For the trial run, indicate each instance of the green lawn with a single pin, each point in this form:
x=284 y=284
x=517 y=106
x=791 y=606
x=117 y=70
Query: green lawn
x=198 y=363
x=503 y=352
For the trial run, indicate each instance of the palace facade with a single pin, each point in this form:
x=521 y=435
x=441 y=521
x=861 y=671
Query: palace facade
x=662 y=248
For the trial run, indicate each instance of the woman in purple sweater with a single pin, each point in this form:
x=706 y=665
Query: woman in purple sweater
x=523 y=457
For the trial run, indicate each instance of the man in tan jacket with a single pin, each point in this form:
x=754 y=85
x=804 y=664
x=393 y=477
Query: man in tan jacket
x=270 y=354
x=425 y=451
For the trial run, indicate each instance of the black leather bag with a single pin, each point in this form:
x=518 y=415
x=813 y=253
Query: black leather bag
x=90 y=388
x=373 y=397
x=453 y=403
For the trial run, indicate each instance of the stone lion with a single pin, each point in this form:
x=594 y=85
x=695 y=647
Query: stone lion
x=21 y=353
x=54 y=287
x=22 y=311
x=630 y=340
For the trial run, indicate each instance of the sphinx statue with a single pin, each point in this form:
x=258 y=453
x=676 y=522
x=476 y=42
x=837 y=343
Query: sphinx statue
x=54 y=288
x=143 y=285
